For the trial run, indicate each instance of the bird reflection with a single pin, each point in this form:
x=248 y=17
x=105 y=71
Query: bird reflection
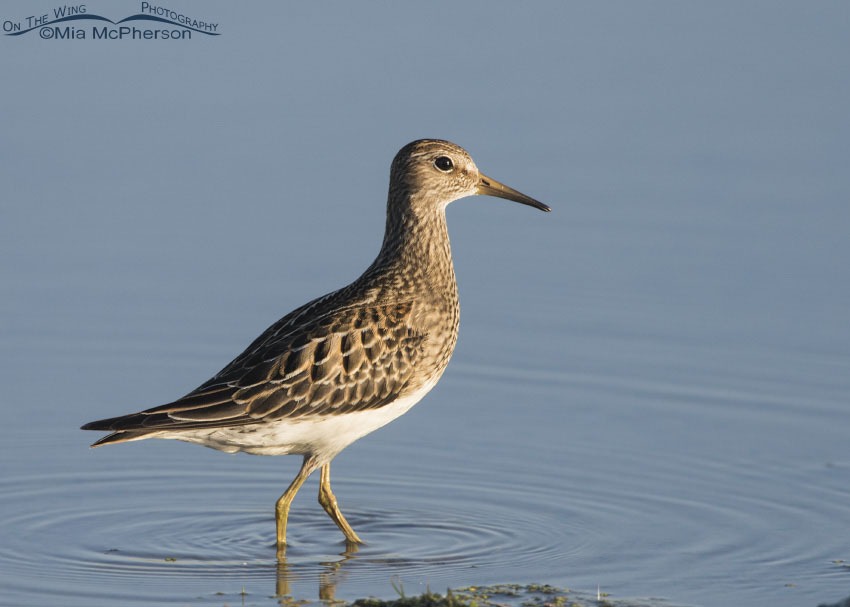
x=329 y=578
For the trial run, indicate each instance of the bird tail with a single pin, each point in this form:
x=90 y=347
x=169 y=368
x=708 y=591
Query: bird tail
x=121 y=437
x=117 y=435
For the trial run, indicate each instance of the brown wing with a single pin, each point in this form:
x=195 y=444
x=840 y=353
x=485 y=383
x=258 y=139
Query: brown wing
x=349 y=360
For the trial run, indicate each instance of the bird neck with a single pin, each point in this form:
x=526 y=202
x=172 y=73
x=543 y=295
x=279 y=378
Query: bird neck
x=418 y=238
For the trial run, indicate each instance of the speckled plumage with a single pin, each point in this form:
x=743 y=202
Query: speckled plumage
x=347 y=363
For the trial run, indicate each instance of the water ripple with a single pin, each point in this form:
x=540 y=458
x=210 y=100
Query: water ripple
x=575 y=509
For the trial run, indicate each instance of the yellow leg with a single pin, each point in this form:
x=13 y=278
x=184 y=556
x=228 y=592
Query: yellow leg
x=283 y=575
x=328 y=502
x=282 y=506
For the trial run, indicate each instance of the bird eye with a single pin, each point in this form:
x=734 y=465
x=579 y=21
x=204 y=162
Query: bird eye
x=444 y=163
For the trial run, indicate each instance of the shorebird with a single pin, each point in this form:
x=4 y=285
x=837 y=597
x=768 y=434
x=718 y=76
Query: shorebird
x=349 y=362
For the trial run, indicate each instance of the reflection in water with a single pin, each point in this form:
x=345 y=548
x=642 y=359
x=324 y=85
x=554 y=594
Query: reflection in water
x=448 y=535
x=331 y=574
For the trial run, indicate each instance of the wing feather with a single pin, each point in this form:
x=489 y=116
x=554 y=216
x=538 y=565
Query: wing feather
x=356 y=359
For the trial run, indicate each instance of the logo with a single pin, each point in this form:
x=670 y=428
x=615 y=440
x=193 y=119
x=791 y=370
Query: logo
x=74 y=22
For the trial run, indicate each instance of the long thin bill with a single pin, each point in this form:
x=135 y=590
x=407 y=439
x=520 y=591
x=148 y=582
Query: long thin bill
x=491 y=187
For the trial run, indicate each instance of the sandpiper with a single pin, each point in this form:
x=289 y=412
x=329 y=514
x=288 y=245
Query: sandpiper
x=345 y=364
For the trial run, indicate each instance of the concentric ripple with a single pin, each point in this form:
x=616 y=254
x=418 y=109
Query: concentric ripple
x=173 y=529
x=577 y=510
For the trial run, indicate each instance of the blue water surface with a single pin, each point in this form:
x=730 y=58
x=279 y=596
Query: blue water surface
x=650 y=391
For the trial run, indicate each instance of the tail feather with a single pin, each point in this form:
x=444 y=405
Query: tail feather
x=134 y=421
x=122 y=437
x=123 y=428
x=148 y=425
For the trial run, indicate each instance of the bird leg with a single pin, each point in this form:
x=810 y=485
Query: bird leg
x=328 y=501
x=282 y=506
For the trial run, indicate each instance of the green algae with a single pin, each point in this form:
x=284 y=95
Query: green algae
x=498 y=595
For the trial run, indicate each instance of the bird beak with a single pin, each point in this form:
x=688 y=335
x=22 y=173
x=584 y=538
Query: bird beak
x=491 y=187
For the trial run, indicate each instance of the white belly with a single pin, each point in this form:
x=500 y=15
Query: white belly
x=321 y=436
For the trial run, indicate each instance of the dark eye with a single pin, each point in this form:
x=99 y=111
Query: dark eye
x=444 y=163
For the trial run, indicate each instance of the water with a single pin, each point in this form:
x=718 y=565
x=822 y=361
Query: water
x=650 y=392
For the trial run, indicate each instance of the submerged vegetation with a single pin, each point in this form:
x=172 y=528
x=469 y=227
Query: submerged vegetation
x=499 y=595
